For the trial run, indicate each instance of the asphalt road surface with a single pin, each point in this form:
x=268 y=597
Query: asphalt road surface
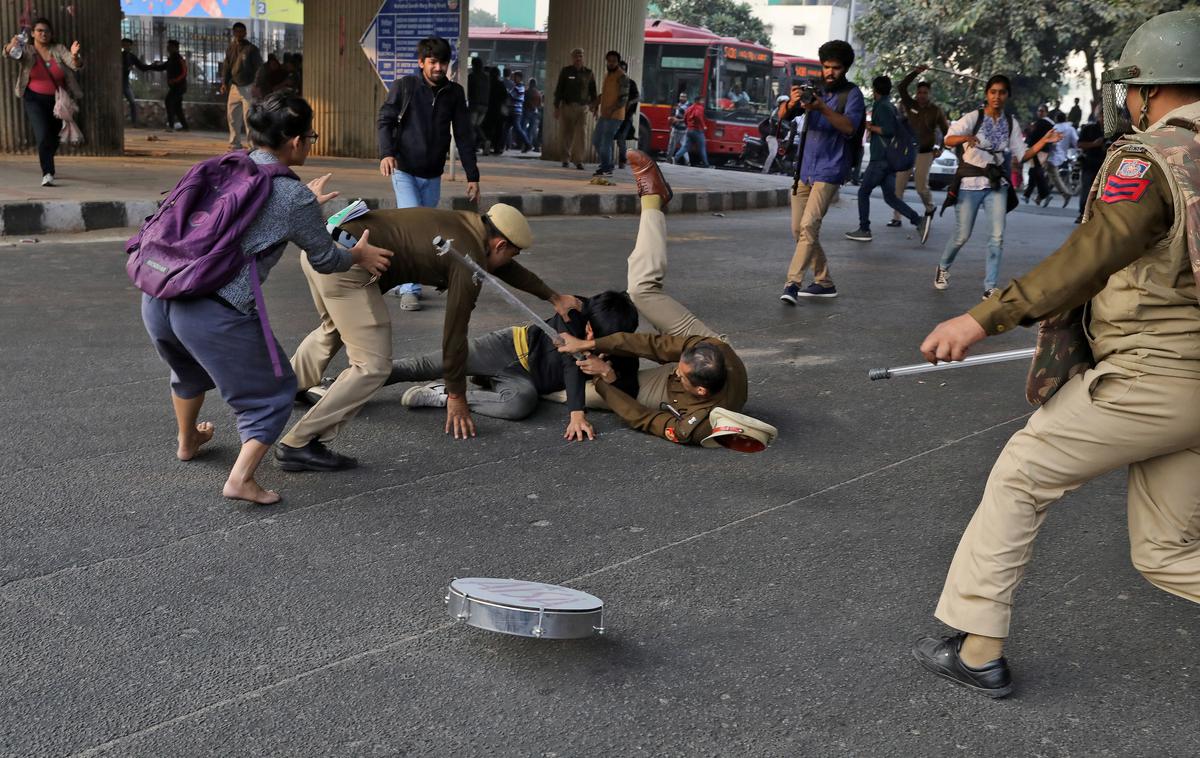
x=757 y=605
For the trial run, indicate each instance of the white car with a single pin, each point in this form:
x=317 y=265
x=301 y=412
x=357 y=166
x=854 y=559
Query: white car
x=942 y=170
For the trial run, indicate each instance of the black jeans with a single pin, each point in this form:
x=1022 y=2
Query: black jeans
x=40 y=110
x=174 y=104
x=1087 y=176
x=1037 y=180
x=879 y=175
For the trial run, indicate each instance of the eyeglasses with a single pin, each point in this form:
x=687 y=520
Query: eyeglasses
x=41 y=30
x=312 y=138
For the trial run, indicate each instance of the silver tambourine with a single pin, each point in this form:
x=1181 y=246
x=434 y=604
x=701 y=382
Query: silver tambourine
x=526 y=609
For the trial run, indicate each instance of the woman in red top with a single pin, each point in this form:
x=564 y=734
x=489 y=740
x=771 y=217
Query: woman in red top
x=45 y=67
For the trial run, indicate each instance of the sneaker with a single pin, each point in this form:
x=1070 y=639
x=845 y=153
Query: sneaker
x=941 y=279
x=648 y=177
x=941 y=657
x=1045 y=202
x=859 y=235
x=598 y=172
x=565 y=164
x=790 y=293
x=48 y=180
x=989 y=292
x=925 y=225
x=429 y=396
x=409 y=302
x=893 y=223
x=579 y=166
x=1079 y=219
x=818 y=290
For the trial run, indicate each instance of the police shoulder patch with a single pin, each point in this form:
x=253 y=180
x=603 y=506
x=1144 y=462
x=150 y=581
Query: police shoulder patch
x=1119 y=188
x=1132 y=168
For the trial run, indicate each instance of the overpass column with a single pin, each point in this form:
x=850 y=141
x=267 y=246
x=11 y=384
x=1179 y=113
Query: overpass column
x=597 y=26
x=97 y=26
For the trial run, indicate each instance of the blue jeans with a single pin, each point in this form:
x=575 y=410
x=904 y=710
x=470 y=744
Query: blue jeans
x=879 y=175
x=694 y=137
x=516 y=127
x=968 y=205
x=602 y=141
x=127 y=91
x=415 y=192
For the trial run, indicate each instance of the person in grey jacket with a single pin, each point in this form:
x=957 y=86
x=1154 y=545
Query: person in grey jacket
x=217 y=341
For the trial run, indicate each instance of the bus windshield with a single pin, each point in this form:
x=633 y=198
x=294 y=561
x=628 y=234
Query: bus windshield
x=741 y=90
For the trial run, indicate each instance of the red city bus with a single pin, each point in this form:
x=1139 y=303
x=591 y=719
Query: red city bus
x=789 y=67
x=732 y=78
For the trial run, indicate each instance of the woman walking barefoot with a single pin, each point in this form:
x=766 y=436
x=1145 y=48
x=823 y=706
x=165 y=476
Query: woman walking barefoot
x=217 y=341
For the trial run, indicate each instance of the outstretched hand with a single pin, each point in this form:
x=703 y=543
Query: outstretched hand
x=318 y=188
x=571 y=344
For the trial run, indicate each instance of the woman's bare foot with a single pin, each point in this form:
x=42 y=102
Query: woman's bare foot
x=251 y=492
x=191 y=445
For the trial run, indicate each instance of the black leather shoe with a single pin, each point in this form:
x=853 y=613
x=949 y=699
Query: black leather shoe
x=312 y=457
x=941 y=657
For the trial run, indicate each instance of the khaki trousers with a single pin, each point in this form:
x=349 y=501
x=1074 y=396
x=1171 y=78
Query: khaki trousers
x=572 y=119
x=924 y=161
x=1110 y=416
x=237 y=107
x=353 y=315
x=809 y=205
x=646 y=270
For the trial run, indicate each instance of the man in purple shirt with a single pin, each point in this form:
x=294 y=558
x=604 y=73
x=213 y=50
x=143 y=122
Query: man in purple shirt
x=834 y=119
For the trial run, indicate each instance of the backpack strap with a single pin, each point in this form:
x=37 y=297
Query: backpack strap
x=842 y=98
x=408 y=85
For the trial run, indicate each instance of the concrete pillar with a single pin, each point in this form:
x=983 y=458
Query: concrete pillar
x=339 y=82
x=597 y=26
x=97 y=26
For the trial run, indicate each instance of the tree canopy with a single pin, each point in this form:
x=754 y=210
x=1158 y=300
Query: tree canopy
x=1029 y=40
x=725 y=17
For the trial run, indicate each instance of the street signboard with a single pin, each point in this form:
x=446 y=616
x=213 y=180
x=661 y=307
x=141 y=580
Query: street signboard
x=390 y=42
x=285 y=11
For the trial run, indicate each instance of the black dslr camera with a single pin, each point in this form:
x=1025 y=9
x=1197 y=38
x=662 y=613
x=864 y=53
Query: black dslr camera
x=809 y=90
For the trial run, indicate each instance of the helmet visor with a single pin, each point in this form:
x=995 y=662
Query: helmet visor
x=1116 y=112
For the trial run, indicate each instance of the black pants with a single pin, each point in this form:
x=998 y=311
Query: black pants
x=40 y=110
x=1037 y=180
x=1087 y=176
x=174 y=104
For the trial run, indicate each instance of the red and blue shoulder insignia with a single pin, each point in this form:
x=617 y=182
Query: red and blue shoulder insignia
x=1127 y=182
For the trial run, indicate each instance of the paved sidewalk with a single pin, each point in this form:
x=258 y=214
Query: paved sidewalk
x=102 y=193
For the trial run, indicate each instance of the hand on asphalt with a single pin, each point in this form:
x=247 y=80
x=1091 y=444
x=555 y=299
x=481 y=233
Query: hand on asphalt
x=458 y=418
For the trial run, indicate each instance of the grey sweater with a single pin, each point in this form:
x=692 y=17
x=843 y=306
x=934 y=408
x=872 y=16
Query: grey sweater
x=291 y=214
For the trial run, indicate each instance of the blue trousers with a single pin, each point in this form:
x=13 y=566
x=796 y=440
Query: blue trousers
x=693 y=137
x=879 y=175
x=208 y=344
x=602 y=140
x=969 y=202
x=415 y=192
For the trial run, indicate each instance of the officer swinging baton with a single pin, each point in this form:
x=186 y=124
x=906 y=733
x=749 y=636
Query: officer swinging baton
x=974 y=360
x=480 y=275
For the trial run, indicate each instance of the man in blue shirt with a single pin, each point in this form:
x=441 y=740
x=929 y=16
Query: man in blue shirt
x=833 y=118
x=879 y=173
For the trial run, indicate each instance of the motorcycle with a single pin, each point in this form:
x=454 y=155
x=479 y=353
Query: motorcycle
x=772 y=150
x=755 y=148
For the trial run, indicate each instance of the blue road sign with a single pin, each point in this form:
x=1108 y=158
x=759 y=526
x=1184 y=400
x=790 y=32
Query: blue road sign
x=390 y=42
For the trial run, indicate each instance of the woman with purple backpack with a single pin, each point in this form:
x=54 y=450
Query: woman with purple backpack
x=218 y=340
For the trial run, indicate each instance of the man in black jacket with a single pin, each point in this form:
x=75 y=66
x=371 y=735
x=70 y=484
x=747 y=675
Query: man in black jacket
x=414 y=138
x=512 y=368
x=177 y=75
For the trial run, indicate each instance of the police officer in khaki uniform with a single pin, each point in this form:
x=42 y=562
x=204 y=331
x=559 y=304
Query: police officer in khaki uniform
x=1139 y=404
x=353 y=314
x=574 y=93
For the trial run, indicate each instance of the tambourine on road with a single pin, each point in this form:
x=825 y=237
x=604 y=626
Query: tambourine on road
x=974 y=360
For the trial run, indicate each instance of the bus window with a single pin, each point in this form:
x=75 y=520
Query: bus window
x=680 y=68
x=741 y=89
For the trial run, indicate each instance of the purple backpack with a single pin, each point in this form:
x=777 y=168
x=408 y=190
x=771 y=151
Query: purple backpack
x=191 y=246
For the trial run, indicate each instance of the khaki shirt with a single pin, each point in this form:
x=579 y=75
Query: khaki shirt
x=925 y=120
x=409 y=233
x=693 y=425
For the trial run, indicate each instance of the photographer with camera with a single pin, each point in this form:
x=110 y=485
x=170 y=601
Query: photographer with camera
x=834 y=111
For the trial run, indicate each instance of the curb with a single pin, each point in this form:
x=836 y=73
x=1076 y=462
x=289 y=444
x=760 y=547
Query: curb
x=27 y=218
